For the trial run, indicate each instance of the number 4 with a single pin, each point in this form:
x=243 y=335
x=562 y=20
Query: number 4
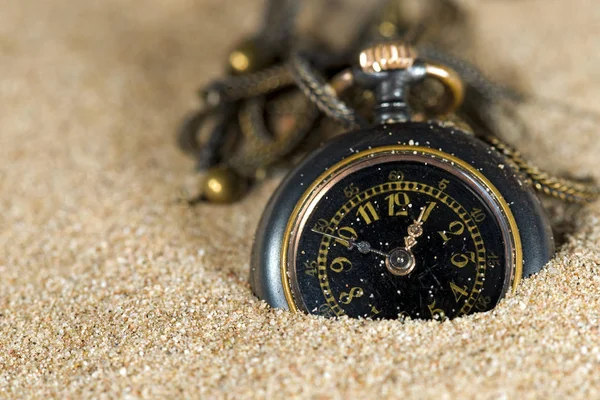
x=458 y=291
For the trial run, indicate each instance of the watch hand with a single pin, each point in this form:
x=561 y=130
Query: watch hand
x=362 y=246
x=402 y=260
x=346 y=242
x=414 y=231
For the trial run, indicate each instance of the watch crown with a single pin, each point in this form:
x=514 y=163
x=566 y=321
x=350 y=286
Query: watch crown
x=387 y=56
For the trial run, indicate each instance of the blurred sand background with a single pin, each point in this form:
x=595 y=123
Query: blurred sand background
x=111 y=288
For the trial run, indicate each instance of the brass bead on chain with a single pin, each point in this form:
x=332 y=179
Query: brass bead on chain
x=248 y=57
x=222 y=185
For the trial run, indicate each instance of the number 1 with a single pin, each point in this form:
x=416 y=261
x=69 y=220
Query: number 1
x=430 y=207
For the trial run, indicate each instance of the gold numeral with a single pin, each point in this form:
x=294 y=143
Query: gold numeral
x=403 y=315
x=483 y=303
x=368 y=213
x=350 y=190
x=428 y=210
x=346 y=297
x=436 y=313
x=493 y=260
x=458 y=291
x=443 y=184
x=310 y=268
x=477 y=214
x=341 y=264
x=399 y=199
x=346 y=232
x=321 y=225
x=460 y=260
x=374 y=310
x=396 y=176
x=325 y=310
x=456 y=228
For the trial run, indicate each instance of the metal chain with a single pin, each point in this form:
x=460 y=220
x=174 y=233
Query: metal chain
x=472 y=77
x=278 y=25
x=564 y=189
x=245 y=95
x=249 y=85
x=323 y=95
x=261 y=149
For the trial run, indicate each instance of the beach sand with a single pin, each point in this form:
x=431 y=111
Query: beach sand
x=111 y=287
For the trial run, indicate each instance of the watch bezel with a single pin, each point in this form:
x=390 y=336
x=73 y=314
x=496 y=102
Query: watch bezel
x=404 y=153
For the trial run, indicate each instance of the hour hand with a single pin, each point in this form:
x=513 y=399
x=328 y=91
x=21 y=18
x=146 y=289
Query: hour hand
x=402 y=260
x=414 y=231
x=362 y=246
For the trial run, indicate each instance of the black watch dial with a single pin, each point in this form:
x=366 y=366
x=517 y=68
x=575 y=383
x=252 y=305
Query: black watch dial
x=400 y=235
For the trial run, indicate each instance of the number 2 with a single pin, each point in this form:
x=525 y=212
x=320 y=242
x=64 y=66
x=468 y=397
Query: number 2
x=460 y=260
x=400 y=200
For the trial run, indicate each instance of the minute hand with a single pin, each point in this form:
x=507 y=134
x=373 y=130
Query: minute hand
x=362 y=246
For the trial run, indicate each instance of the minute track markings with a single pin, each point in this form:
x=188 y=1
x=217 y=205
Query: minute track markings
x=412 y=187
x=301 y=294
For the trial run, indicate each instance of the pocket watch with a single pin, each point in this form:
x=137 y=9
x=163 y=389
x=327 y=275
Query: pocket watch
x=404 y=218
x=417 y=213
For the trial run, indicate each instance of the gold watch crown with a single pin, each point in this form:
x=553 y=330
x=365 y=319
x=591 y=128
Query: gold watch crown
x=387 y=56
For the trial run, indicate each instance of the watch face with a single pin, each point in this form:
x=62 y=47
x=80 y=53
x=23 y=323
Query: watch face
x=401 y=231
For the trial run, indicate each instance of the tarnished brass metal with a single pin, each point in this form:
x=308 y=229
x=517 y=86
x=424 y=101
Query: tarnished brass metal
x=342 y=81
x=451 y=81
x=248 y=57
x=222 y=185
x=387 y=56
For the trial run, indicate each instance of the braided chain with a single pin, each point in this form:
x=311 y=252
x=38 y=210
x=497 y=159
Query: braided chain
x=260 y=147
x=322 y=94
x=562 y=188
x=250 y=85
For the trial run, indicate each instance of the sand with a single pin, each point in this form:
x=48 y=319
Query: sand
x=110 y=287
